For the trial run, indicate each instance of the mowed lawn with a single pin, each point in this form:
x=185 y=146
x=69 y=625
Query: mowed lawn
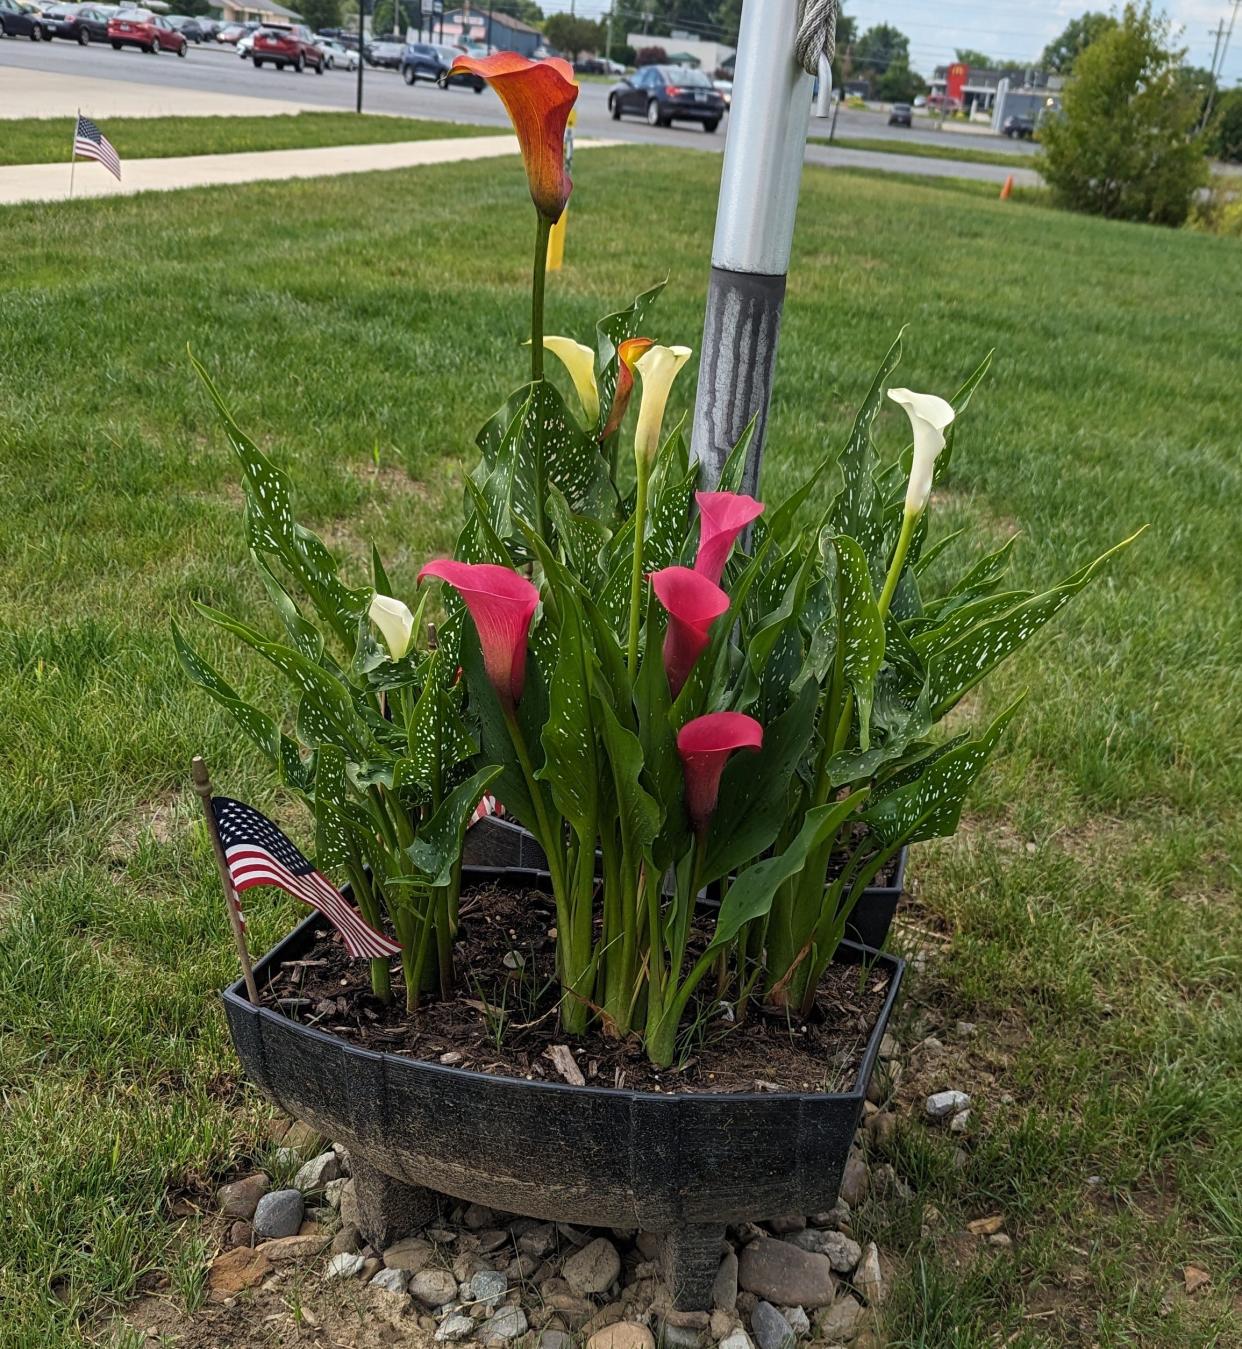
x=46 y=140
x=1086 y=919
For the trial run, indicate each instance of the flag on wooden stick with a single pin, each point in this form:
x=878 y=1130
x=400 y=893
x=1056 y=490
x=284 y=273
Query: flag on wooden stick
x=258 y=853
x=91 y=143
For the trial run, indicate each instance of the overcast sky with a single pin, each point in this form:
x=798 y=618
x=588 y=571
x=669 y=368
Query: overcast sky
x=1006 y=29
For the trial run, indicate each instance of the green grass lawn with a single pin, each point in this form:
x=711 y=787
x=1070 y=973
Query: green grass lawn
x=363 y=327
x=922 y=150
x=46 y=140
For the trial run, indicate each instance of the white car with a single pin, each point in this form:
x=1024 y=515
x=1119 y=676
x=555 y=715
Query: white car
x=337 y=54
x=244 y=45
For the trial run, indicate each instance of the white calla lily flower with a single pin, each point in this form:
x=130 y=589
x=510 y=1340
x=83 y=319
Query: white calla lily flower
x=395 y=622
x=929 y=418
x=579 y=360
x=658 y=367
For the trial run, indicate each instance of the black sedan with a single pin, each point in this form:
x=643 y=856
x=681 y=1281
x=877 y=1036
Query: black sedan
x=77 y=23
x=1018 y=128
x=18 y=20
x=430 y=61
x=668 y=94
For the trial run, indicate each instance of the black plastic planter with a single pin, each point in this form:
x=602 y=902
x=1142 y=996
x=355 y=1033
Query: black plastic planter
x=494 y=842
x=682 y=1165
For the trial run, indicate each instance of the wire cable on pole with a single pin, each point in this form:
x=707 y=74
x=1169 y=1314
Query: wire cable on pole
x=817 y=33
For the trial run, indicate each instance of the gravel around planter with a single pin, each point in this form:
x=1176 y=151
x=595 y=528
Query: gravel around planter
x=801 y=1279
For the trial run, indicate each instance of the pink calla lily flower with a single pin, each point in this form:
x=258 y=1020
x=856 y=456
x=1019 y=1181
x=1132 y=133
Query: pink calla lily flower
x=694 y=603
x=704 y=745
x=502 y=604
x=722 y=517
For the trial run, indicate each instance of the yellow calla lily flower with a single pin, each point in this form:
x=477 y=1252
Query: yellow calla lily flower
x=658 y=367
x=579 y=360
x=395 y=622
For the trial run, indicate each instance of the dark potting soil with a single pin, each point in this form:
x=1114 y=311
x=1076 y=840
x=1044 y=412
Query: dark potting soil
x=503 y=1016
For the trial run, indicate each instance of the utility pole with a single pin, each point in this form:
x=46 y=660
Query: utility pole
x=1218 y=63
x=608 y=37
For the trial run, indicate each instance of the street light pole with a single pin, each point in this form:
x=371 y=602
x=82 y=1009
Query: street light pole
x=759 y=185
x=361 y=58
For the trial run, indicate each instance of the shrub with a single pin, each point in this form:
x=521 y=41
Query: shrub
x=1124 y=145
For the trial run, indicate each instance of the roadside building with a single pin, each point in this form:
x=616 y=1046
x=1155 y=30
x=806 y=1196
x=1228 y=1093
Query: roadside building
x=263 y=11
x=1001 y=93
x=684 y=49
x=476 y=23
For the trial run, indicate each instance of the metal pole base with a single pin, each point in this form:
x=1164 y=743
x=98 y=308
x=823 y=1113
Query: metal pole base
x=740 y=335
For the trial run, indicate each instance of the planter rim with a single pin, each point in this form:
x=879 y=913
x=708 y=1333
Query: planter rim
x=235 y=995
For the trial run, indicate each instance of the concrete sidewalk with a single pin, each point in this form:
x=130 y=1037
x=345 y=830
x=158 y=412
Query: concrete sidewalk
x=50 y=182
x=835 y=157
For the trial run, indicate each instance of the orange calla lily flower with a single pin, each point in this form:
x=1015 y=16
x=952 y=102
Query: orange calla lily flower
x=538 y=96
x=628 y=352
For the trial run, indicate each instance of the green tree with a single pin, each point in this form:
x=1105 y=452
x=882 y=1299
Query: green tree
x=1124 y=145
x=880 y=47
x=572 y=35
x=1061 y=53
x=320 y=14
x=899 y=84
x=1225 y=133
x=843 y=61
x=976 y=60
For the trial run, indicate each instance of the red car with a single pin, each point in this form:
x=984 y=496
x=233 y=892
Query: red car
x=281 y=45
x=141 y=28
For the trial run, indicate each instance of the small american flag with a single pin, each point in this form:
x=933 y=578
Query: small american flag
x=488 y=806
x=259 y=854
x=91 y=143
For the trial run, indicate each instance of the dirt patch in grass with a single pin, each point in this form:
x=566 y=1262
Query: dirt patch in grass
x=162 y=818
x=287 y=1311
x=503 y=1022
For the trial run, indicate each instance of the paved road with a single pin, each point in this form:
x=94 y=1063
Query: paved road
x=216 y=70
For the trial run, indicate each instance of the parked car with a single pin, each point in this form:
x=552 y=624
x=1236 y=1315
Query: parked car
x=901 y=114
x=725 y=89
x=668 y=94
x=19 y=20
x=385 y=52
x=232 y=33
x=141 y=28
x=1018 y=128
x=336 y=54
x=188 y=26
x=428 y=61
x=76 y=23
x=287 y=44
x=591 y=65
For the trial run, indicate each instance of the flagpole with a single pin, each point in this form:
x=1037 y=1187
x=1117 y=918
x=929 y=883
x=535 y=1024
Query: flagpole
x=73 y=150
x=202 y=785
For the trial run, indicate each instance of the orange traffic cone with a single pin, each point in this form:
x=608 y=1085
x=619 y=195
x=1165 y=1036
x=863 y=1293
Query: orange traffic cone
x=1007 y=191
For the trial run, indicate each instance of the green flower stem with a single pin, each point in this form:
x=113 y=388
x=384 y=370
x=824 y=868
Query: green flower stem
x=908 y=521
x=539 y=278
x=381 y=978
x=636 y=574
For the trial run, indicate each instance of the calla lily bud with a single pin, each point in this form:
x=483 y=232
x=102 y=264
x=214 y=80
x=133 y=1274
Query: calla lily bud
x=628 y=353
x=395 y=622
x=502 y=604
x=538 y=96
x=693 y=603
x=929 y=417
x=722 y=517
x=658 y=368
x=579 y=360
x=704 y=745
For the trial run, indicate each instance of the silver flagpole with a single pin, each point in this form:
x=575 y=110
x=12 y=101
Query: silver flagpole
x=754 y=231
